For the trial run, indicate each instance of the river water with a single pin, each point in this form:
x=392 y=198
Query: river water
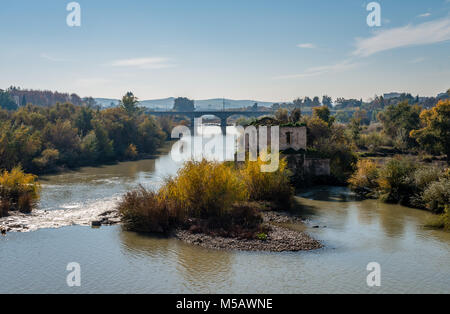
x=413 y=259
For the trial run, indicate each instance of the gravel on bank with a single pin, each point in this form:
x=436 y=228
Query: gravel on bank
x=279 y=239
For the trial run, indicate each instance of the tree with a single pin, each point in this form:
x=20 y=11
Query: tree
x=183 y=104
x=355 y=128
x=362 y=116
x=6 y=101
x=435 y=133
x=129 y=103
x=326 y=101
x=298 y=103
x=307 y=101
x=282 y=115
x=295 y=116
x=399 y=120
x=323 y=113
x=316 y=102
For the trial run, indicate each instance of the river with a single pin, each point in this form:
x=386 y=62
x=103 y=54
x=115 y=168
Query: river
x=413 y=259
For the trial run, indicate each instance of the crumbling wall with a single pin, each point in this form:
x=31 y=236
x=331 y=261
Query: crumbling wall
x=317 y=167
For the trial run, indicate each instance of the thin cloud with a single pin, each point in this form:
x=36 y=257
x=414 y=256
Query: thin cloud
x=307 y=46
x=144 y=63
x=425 y=14
x=321 y=70
x=409 y=35
x=417 y=60
x=52 y=58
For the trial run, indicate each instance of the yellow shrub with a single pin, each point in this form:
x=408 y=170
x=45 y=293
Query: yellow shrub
x=268 y=186
x=364 y=180
x=205 y=189
x=18 y=190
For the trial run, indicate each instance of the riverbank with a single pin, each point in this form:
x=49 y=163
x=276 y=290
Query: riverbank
x=278 y=239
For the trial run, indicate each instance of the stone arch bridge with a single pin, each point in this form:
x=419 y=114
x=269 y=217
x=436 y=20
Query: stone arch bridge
x=222 y=115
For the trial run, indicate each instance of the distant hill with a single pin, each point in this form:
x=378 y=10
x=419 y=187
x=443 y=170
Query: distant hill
x=206 y=104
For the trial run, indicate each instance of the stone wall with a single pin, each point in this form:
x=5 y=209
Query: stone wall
x=289 y=138
x=297 y=137
x=317 y=167
x=302 y=167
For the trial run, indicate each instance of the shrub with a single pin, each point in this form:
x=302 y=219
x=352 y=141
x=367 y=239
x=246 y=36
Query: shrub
x=243 y=218
x=131 y=152
x=18 y=191
x=437 y=195
x=268 y=186
x=205 y=189
x=421 y=179
x=394 y=181
x=146 y=211
x=373 y=141
x=441 y=221
x=261 y=236
x=364 y=180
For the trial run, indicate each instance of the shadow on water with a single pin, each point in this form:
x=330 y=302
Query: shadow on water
x=151 y=245
x=329 y=194
x=301 y=209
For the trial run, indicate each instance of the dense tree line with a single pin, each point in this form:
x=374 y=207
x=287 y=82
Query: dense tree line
x=41 y=139
x=22 y=97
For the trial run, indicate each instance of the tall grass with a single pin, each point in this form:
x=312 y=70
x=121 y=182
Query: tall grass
x=19 y=191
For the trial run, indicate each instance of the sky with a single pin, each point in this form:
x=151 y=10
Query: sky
x=265 y=50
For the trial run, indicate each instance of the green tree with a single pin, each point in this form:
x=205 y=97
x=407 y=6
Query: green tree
x=6 y=101
x=399 y=120
x=324 y=114
x=129 y=103
x=355 y=128
x=316 y=101
x=326 y=101
x=183 y=104
x=295 y=116
x=298 y=103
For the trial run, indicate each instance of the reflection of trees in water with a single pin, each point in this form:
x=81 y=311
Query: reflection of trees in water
x=201 y=267
x=130 y=170
x=329 y=194
x=392 y=219
x=145 y=244
x=368 y=212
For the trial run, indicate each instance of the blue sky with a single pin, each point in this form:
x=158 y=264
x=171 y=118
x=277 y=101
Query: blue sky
x=241 y=49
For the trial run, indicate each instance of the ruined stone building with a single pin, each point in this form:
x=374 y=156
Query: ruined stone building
x=293 y=146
